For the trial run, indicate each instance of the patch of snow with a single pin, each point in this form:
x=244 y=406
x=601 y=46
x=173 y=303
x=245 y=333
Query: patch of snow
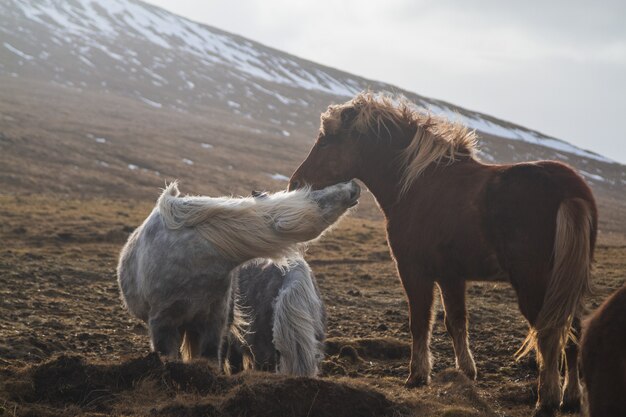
x=187 y=161
x=592 y=176
x=150 y=102
x=206 y=145
x=132 y=167
x=278 y=177
x=86 y=61
x=485 y=156
x=101 y=140
x=492 y=128
x=233 y=104
x=286 y=133
x=17 y=51
x=155 y=75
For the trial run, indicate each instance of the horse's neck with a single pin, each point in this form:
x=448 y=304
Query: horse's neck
x=383 y=181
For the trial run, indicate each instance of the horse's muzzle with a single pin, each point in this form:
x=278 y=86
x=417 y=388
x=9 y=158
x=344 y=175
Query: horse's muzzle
x=355 y=193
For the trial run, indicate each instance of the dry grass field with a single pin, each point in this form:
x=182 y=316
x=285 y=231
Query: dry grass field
x=67 y=347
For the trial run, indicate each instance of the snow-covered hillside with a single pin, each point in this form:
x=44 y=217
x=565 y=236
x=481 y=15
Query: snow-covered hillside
x=134 y=49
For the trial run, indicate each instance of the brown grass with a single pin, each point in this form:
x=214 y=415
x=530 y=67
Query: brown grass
x=67 y=346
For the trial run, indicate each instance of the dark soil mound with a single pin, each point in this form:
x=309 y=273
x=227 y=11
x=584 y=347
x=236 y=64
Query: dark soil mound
x=70 y=380
x=371 y=348
x=305 y=397
x=68 y=385
x=187 y=410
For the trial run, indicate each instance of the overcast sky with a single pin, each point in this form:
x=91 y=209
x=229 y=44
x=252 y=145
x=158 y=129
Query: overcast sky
x=554 y=66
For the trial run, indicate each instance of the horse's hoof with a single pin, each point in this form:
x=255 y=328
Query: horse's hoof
x=571 y=406
x=571 y=399
x=414 y=381
x=544 y=411
x=470 y=373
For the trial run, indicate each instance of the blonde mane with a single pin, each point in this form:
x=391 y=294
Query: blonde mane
x=436 y=139
x=247 y=227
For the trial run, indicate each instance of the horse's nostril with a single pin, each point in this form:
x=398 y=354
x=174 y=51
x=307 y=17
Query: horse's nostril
x=294 y=185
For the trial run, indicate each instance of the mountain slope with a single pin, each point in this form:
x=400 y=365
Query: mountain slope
x=127 y=54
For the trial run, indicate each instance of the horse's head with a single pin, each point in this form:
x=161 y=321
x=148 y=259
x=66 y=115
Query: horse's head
x=355 y=138
x=334 y=200
x=335 y=156
x=307 y=219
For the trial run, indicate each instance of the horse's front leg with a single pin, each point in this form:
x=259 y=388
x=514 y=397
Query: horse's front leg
x=165 y=338
x=453 y=298
x=420 y=294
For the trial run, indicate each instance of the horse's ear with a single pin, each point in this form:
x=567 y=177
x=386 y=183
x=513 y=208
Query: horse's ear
x=348 y=115
x=259 y=194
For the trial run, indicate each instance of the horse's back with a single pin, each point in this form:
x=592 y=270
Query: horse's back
x=521 y=203
x=545 y=180
x=604 y=357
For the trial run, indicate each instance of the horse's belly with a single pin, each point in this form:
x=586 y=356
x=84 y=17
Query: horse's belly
x=495 y=276
x=489 y=270
x=477 y=266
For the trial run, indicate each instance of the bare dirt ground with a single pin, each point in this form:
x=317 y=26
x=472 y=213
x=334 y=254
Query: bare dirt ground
x=67 y=347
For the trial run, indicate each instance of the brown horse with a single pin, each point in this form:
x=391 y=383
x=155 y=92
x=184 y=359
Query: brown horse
x=603 y=355
x=451 y=218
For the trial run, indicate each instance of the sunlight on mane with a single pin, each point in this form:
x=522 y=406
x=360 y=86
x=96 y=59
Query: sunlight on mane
x=246 y=228
x=436 y=139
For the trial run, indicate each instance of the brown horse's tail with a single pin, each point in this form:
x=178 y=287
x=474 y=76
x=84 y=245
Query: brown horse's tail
x=571 y=273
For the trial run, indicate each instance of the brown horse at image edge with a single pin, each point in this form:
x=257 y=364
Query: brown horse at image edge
x=603 y=356
x=451 y=218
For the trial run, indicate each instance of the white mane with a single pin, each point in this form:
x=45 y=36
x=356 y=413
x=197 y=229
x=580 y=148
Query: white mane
x=247 y=227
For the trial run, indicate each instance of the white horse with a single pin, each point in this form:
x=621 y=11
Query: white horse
x=174 y=270
x=286 y=319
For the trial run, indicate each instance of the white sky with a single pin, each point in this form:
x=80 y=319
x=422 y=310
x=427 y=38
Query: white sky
x=555 y=66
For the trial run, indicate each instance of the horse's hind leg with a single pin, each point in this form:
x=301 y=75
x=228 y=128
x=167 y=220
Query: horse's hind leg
x=572 y=392
x=548 y=353
x=233 y=356
x=453 y=298
x=211 y=330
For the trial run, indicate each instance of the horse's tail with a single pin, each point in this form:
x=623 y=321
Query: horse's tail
x=571 y=273
x=189 y=346
x=299 y=324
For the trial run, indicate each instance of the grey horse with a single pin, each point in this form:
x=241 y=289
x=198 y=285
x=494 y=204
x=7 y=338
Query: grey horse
x=286 y=319
x=174 y=271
